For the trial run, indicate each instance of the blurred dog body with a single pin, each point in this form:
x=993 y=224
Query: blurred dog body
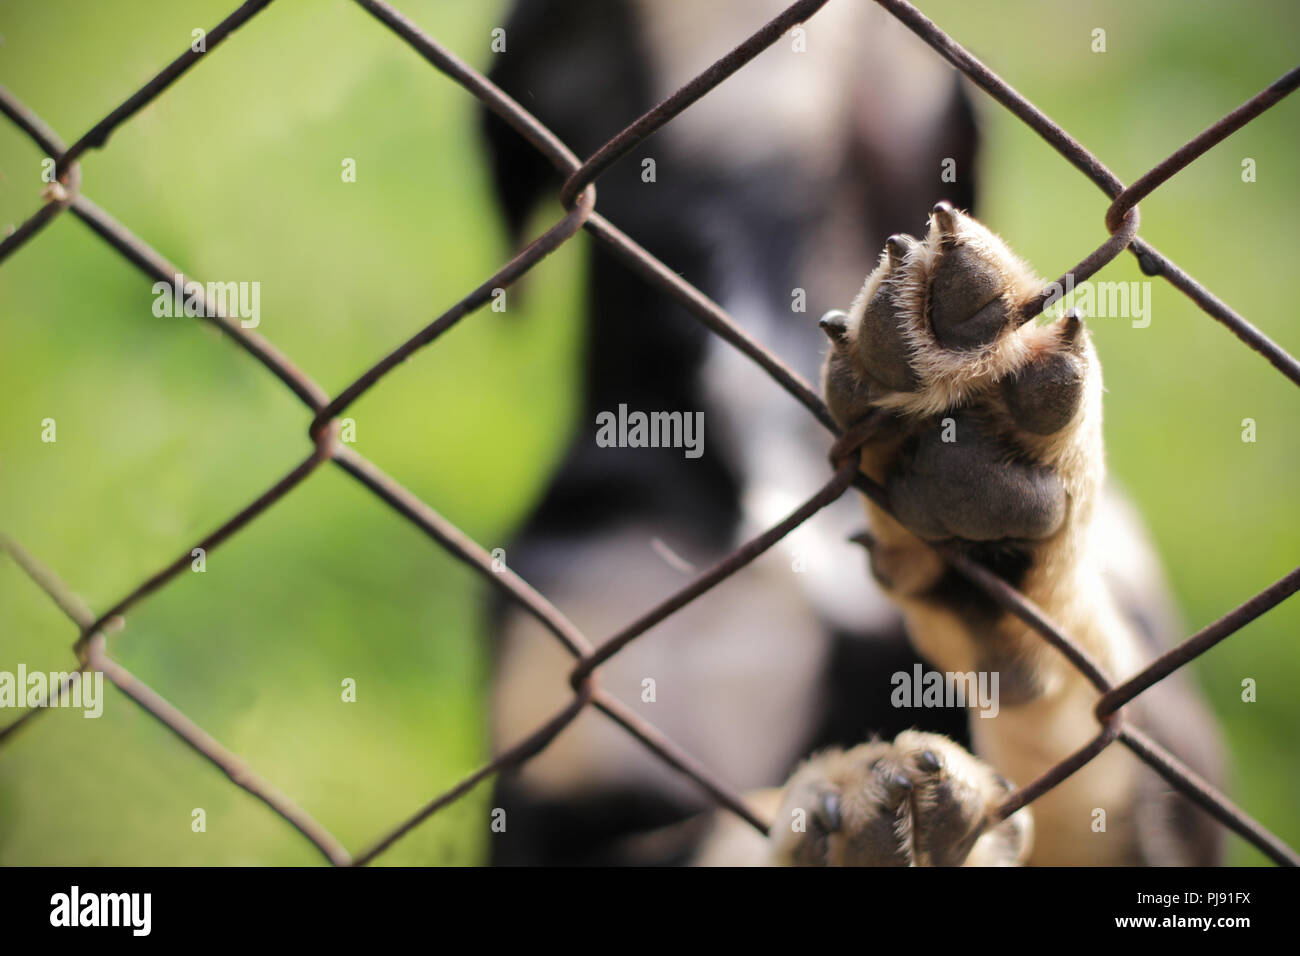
x=772 y=194
x=769 y=194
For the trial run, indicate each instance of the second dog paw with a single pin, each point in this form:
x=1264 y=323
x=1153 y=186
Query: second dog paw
x=918 y=801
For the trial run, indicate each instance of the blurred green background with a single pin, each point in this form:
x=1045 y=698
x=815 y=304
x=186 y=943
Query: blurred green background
x=164 y=431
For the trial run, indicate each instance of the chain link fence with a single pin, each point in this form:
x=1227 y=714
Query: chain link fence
x=578 y=196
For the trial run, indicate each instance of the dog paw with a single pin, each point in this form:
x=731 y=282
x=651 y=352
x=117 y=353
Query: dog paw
x=995 y=435
x=918 y=801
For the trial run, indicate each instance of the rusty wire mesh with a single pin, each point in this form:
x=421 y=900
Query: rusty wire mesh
x=578 y=196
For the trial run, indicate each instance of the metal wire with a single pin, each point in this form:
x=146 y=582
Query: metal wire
x=578 y=196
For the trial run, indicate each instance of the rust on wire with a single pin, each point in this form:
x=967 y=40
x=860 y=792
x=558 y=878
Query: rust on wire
x=532 y=254
x=1199 y=643
x=651 y=121
x=97 y=135
x=747 y=553
x=1185 y=154
x=1027 y=794
x=578 y=197
x=97 y=660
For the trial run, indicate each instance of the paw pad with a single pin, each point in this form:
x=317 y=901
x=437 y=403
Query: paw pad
x=968 y=303
x=967 y=489
x=1044 y=394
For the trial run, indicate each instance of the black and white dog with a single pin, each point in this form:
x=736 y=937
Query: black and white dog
x=773 y=194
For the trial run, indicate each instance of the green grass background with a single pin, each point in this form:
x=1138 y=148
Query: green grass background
x=164 y=431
